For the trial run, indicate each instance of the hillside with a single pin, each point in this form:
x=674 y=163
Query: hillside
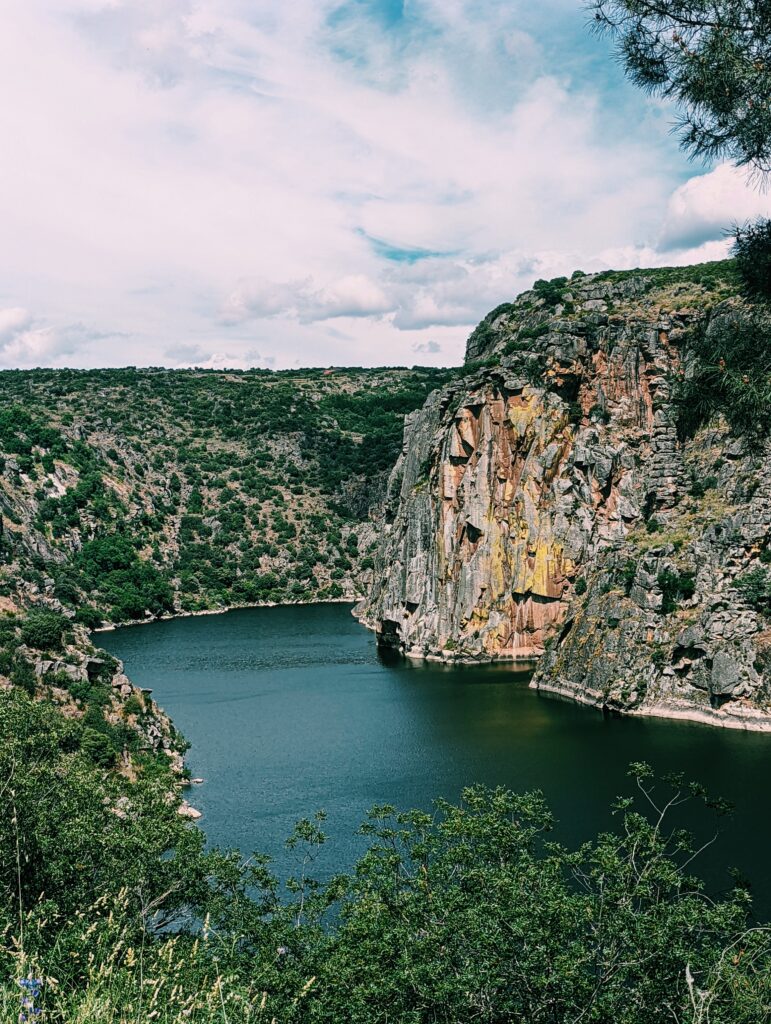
x=132 y=493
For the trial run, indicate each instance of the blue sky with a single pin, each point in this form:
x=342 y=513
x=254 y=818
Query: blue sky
x=243 y=182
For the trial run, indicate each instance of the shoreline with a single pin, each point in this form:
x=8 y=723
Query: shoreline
x=112 y=626
x=746 y=721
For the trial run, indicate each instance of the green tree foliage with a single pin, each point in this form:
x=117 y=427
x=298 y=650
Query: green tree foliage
x=551 y=291
x=729 y=373
x=44 y=630
x=755 y=588
x=712 y=57
x=675 y=587
x=752 y=252
x=172 y=489
x=469 y=913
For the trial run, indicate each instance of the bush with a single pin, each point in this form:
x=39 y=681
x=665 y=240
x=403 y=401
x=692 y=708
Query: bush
x=45 y=630
x=98 y=748
x=731 y=375
x=551 y=291
x=755 y=587
x=675 y=587
x=23 y=676
x=699 y=487
x=581 y=586
x=628 y=573
x=89 y=617
x=469 y=913
x=752 y=251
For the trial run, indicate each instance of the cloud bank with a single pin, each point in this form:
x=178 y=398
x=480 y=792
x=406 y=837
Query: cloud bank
x=240 y=182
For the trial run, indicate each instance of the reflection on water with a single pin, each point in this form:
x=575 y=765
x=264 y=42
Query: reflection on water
x=292 y=709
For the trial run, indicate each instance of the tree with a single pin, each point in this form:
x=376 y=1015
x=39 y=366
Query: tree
x=712 y=57
x=752 y=251
x=45 y=629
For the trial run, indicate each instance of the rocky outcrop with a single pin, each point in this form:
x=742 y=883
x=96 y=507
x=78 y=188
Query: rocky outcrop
x=542 y=507
x=88 y=685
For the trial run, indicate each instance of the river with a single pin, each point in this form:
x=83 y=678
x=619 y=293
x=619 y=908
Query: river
x=292 y=709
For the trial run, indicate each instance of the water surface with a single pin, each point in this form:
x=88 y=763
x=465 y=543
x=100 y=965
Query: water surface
x=292 y=709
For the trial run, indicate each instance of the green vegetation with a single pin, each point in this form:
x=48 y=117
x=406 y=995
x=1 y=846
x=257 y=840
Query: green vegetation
x=720 y=277
x=114 y=909
x=752 y=252
x=552 y=291
x=44 y=629
x=755 y=587
x=731 y=375
x=712 y=59
x=675 y=587
x=141 y=492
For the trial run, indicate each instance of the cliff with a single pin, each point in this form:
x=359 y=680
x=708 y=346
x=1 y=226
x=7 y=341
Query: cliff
x=546 y=506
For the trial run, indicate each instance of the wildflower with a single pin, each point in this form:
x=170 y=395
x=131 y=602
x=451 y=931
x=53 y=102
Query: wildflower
x=30 y=991
x=282 y=951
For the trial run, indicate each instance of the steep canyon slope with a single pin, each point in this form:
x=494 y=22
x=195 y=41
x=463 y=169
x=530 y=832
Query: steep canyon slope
x=131 y=494
x=546 y=505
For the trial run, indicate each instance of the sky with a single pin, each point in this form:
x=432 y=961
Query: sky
x=285 y=183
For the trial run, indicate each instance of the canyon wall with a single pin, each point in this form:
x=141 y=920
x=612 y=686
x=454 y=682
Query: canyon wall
x=544 y=506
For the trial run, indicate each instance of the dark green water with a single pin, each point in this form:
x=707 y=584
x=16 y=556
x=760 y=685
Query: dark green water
x=292 y=709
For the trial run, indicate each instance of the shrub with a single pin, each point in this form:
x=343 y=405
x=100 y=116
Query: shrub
x=659 y=657
x=675 y=586
x=628 y=573
x=533 y=333
x=89 y=617
x=730 y=375
x=23 y=676
x=44 y=630
x=551 y=291
x=581 y=586
x=699 y=487
x=752 y=251
x=133 y=705
x=755 y=587
x=98 y=747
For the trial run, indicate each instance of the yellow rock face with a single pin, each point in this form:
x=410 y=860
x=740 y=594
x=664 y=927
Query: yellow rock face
x=499 y=552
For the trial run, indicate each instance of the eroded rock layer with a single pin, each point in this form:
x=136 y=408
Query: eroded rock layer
x=544 y=506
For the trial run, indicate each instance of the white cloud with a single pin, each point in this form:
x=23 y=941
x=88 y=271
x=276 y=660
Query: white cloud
x=12 y=321
x=203 y=177
x=706 y=206
x=23 y=343
x=354 y=295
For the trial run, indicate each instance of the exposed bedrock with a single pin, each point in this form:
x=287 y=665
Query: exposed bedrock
x=543 y=504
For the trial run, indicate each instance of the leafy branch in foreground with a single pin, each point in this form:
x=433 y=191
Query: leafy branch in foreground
x=712 y=57
x=471 y=912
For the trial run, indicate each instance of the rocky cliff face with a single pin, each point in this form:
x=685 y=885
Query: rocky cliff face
x=544 y=506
